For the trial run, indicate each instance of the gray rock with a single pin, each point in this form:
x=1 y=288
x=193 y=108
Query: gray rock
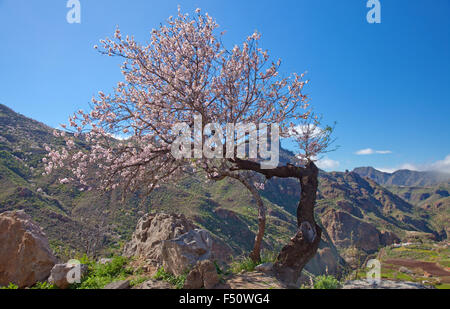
x=151 y=231
x=406 y=270
x=384 y=284
x=183 y=253
x=194 y=280
x=154 y=285
x=105 y=261
x=265 y=268
x=118 y=285
x=203 y=275
x=61 y=274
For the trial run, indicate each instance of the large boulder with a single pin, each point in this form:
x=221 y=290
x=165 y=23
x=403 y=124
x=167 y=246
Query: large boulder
x=182 y=253
x=25 y=255
x=151 y=231
x=154 y=230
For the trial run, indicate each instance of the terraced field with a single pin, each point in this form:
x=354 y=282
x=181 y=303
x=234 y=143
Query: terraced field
x=428 y=263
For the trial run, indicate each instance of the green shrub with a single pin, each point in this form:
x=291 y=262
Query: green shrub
x=44 y=286
x=326 y=283
x=176 y=281
x=86 y=260
x=112 y=269
x=99 y=275
x=247 y=264
x=138 y=280
x=243 y=264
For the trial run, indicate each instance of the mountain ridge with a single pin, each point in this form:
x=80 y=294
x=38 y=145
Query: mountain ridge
x=85 y=221
x=404 y=177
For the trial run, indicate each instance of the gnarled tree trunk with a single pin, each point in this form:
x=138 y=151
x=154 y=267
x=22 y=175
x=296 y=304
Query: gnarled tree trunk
x=255 y=255
x=303 y=246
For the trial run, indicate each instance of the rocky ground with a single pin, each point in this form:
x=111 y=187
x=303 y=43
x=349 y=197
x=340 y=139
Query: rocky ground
x=384 y=284
x=166 y=251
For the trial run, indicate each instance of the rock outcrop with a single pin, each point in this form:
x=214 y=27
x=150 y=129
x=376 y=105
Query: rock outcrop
x=203 y=275
x=324 y=262
x=389 y=238
x=25 y=255
x=182 y=253
x=345 y=230
x=174 y=242
x=151 y=231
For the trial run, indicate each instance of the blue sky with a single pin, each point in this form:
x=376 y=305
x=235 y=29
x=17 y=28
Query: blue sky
x=386 y=85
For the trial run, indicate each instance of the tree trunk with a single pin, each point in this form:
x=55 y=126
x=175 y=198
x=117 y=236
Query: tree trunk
x=303 y=246
x=255 y=255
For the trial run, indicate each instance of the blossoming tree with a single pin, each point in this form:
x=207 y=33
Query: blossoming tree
x=182 y=73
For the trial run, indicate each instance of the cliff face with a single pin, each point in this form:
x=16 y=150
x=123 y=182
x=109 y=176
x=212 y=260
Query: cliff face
x=346 y=231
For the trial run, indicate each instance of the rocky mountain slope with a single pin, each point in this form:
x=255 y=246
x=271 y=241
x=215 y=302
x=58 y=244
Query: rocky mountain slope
x=357 y=214
x=435 y=201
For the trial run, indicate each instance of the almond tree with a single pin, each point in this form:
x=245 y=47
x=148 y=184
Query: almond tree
x=183 y=72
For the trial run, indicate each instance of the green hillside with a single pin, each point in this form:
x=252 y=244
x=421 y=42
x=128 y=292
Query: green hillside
x=89 y=222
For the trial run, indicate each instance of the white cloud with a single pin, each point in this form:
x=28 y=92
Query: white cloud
x=367 y=151
x=328 y=164
x=441 y=165
x=438 y=166
x=370 y=151
x=386 y=169
x=405 y=166
x=118 y=137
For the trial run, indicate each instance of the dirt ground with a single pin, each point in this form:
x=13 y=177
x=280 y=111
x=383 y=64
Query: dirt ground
x=431 y=268
x=251 y=280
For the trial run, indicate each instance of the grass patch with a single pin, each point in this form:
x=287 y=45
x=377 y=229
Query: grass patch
x=326 y=283
x=11 y=286
x=247 y=264
x=138 y=280
x=444 y=286
x=44 y=286
x=176 y=281
x=100 y=275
